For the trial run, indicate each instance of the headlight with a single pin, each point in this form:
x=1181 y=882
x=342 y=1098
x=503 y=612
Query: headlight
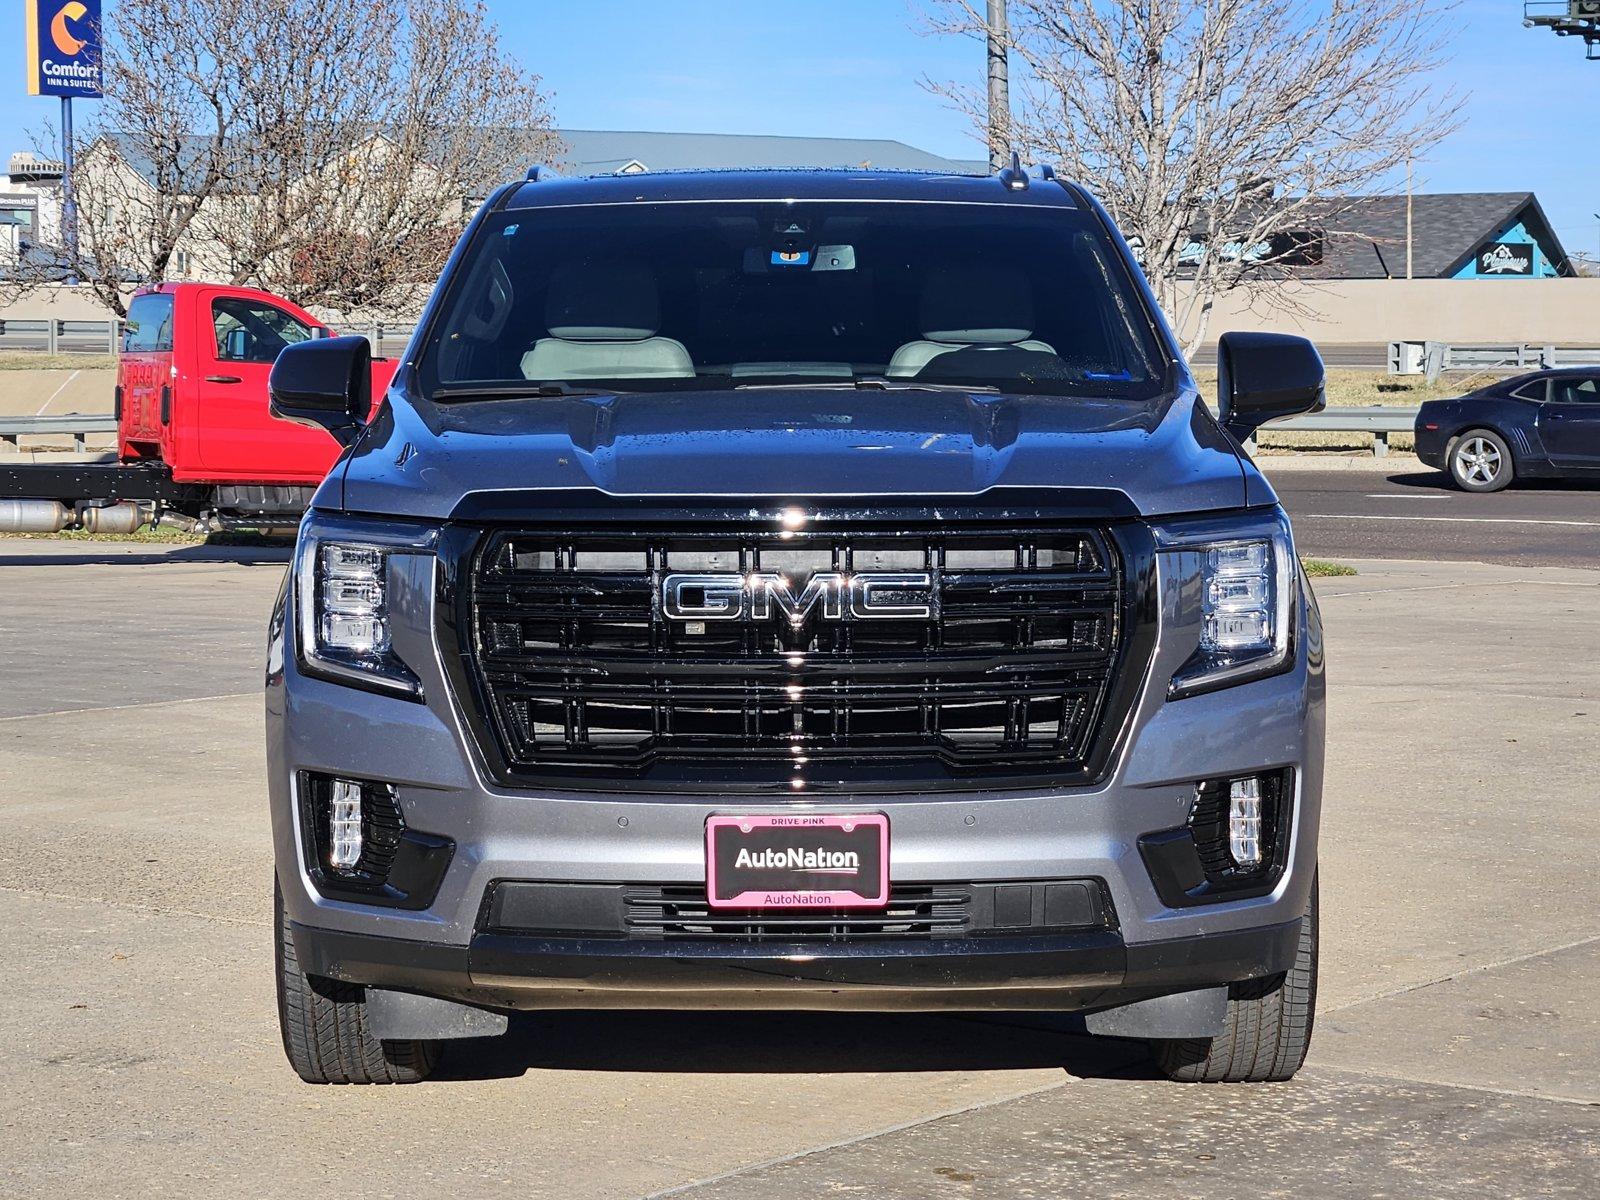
x=344 y=597
x=1246 y=576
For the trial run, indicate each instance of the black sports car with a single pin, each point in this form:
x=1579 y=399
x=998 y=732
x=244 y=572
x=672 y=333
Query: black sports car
x=1545 y=424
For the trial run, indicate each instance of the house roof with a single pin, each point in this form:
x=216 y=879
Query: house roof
x=607 y=151
x=603 y=151
x=190 y=159
x=1367 y=234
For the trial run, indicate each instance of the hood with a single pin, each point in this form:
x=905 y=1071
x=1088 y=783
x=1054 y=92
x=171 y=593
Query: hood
x=1160 y=458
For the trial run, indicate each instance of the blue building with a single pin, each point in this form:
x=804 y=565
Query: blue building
x=1453 y=235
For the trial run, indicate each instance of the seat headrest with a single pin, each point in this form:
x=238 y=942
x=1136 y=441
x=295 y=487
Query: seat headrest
x=974 y=305
x=602 y=301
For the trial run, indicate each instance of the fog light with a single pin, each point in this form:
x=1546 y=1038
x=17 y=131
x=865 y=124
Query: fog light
x=1244 y=821
x=344 y=825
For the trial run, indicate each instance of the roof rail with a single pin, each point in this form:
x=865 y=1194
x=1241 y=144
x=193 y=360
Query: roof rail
x=1013 y=176
x=1047 y=172
x=542 y=171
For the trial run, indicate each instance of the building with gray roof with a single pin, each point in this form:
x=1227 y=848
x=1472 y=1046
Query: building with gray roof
x=615 y=152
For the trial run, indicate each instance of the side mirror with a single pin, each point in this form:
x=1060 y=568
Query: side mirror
x=326 y=382
x=1264 y=376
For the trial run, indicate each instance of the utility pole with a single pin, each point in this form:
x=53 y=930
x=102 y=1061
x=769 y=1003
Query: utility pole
x=999 y=89
x=1408 y=216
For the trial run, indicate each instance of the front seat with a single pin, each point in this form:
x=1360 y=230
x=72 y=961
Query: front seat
x=602 y=319
x=969 y=307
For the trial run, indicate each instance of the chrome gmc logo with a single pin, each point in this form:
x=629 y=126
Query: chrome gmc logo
x=870 y=595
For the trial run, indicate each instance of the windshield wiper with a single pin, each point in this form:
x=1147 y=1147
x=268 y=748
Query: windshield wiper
x=513 y=391
x=873 y=383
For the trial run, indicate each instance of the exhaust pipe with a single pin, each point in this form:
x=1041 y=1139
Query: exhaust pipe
x=171 y=517
x=34 y=516
x=51 y=516
x=124 y=517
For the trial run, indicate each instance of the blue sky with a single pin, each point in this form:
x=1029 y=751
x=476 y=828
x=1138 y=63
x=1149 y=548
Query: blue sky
x=852 y=68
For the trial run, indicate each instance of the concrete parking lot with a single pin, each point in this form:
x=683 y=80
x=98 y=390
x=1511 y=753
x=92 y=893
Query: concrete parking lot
x=1455 y=1052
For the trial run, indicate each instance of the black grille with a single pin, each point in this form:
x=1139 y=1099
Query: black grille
x=581 y=676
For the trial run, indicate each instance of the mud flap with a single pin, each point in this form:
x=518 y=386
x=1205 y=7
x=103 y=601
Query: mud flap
x=404 y=1016
x=1195 y=1014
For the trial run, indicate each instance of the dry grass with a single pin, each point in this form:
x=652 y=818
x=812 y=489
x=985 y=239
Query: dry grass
x=1349 y=388
x=30 y=360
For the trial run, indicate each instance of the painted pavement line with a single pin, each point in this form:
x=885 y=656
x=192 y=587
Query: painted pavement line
x=72 y=712
x=1314 y=516
x=57 y=392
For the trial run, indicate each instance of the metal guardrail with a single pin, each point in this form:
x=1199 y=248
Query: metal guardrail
x=12 y=428
x=1433 y=359
x=1379 y=422
x=45 y=335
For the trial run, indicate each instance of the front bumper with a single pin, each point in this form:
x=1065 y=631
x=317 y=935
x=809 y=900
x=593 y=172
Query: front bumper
x=1089 y=970
x=1022 y=834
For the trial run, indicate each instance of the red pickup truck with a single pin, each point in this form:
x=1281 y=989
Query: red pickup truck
x=194 y=437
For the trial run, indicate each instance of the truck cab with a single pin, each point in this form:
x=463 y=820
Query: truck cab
x=195 y=438
x=192 y=386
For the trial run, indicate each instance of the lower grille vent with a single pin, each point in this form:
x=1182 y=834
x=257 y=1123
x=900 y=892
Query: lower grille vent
x=682 y=912
x=671 y=912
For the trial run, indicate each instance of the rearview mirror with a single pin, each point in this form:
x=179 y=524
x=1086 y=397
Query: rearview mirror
x=1264 y=376
x=326 y=382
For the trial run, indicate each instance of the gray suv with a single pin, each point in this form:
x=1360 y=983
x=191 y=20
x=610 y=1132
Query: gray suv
x=795 y=590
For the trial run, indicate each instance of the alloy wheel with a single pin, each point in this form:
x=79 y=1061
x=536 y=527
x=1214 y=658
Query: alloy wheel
x=1480 y=460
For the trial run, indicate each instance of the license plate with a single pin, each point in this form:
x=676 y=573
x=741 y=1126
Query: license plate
x=798 y=861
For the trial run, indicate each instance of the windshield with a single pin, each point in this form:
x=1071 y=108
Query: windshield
x=764 y=294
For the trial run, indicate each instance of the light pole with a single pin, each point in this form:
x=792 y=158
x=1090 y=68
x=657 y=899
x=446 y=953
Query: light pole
x=69 y=202
x=999 y=88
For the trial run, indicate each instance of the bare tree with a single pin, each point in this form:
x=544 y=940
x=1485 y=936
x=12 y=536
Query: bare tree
x=281 y=151
x=138 y=190
x=1224 y=136
x=361 y=174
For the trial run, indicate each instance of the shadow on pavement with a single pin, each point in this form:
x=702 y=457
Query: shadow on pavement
x=789 y=1043
x=1438 y=481
x=1433 y=481
x=250 y=556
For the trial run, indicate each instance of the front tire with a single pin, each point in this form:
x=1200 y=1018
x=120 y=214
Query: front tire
x=1480 y=461
x=324 y=1025
x=1267 y=1030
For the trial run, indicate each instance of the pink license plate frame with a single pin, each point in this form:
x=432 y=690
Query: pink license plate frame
x=831 y=836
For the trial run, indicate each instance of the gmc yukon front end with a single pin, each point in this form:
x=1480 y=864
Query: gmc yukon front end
x=796 y=591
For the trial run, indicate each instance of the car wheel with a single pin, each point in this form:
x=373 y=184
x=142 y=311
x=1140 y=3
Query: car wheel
x=1267 y=1030
x=1480 y=461
x=325 y=1030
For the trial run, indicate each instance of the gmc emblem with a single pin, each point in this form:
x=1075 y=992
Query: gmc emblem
x=871 y=595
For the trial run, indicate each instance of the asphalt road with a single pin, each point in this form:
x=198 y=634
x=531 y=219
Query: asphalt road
x=1455 y=1046
x=1414 y=513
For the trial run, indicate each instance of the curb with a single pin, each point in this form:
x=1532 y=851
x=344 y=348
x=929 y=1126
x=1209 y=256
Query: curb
x=1392 y=464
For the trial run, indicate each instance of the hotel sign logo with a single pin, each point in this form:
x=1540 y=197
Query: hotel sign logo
x=63 y=39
